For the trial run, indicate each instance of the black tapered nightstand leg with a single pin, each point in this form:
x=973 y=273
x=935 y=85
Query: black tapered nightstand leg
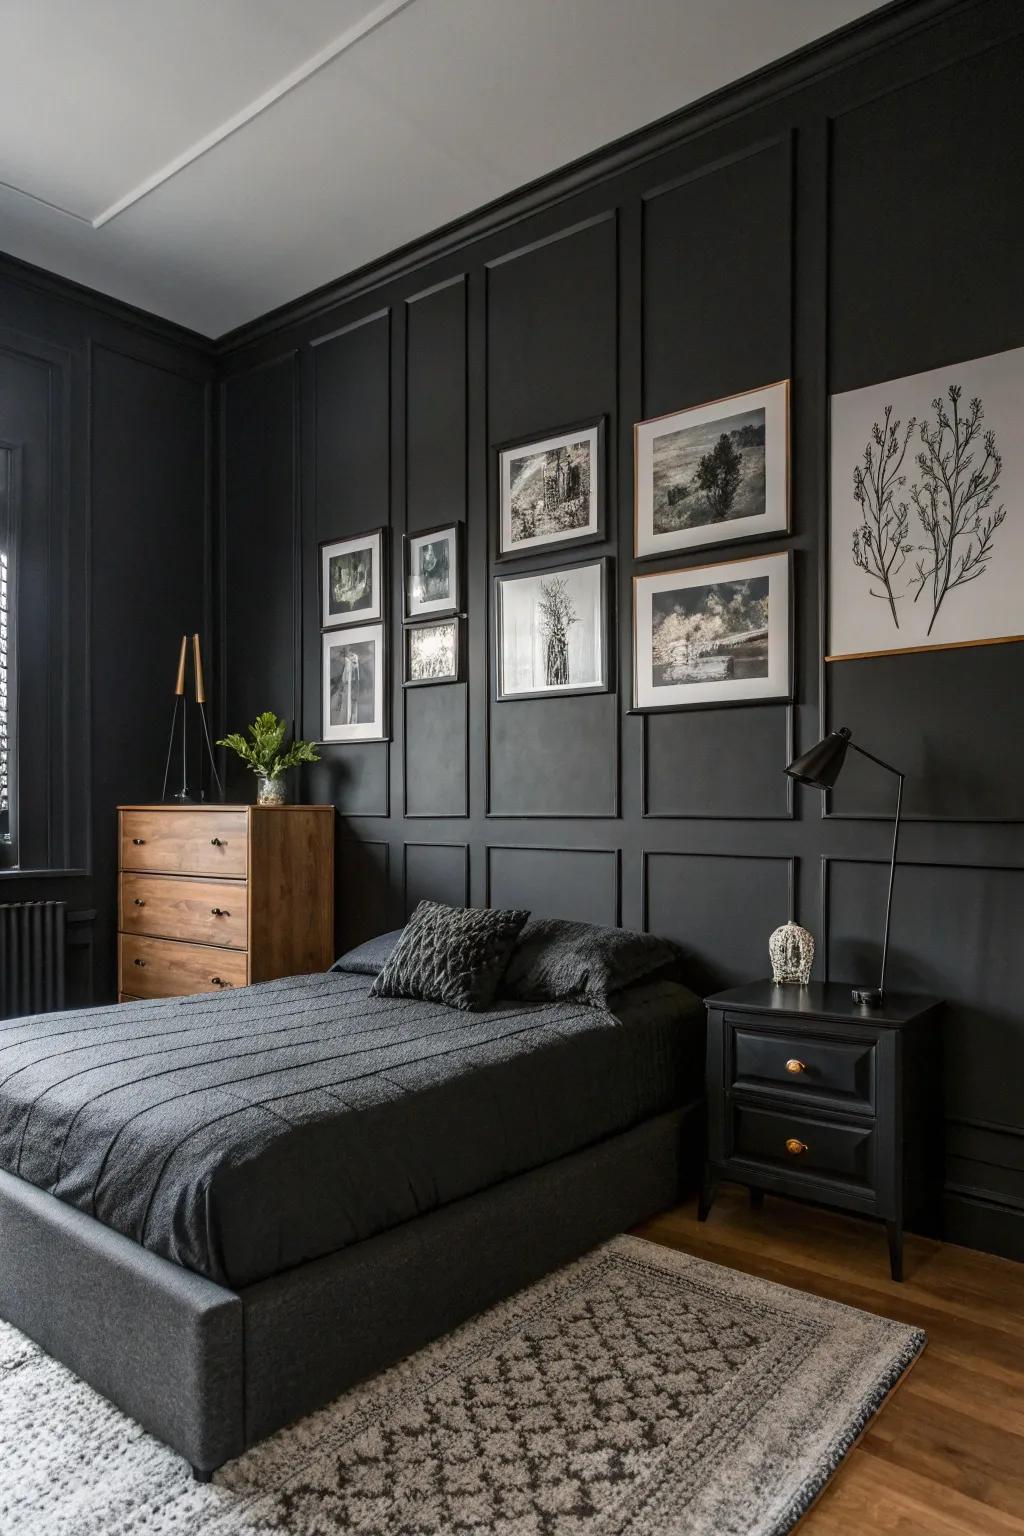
x=756 y=1198
x=894 y=1232
x=707 y=1194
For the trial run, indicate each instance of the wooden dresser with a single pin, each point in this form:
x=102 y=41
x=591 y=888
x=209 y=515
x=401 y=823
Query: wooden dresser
x=213 y=896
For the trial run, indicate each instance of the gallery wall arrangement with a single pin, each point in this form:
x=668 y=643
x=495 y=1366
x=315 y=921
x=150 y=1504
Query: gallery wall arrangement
x=677 y=428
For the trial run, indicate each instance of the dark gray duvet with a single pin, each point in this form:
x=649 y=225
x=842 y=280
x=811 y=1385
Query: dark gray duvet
x=242 y=1133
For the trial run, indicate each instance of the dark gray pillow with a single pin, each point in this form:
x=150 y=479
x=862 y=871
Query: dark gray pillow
x=556 y=958
x=453 y=955
x=370 y=958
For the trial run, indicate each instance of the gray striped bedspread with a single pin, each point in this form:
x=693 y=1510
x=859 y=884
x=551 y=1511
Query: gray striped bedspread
x=242 y=1133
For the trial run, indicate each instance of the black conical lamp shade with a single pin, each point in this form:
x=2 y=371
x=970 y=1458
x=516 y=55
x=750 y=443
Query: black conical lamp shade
x=822 y=765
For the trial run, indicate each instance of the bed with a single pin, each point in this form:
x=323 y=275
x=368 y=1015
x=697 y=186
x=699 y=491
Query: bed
x=222 y=1210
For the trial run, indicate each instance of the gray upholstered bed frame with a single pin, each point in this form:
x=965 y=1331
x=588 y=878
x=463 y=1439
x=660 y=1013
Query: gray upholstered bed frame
x=211 y=1371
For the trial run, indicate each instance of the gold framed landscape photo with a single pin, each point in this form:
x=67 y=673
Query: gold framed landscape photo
x=713 y=634
x=714 y=473
x=352 y=579
x=353 y=684
x=551 y=490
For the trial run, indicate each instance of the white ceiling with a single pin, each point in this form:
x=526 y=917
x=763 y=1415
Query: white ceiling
x=212 y=159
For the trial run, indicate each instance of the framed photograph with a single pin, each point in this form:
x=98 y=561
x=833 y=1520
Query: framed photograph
x=352 y=580
x=926 y=536
x=433 y=572
x=713 y=474
x=551 y=491
x=713 y=634
x=433 y=652
x=551 y=632
x=353 y=685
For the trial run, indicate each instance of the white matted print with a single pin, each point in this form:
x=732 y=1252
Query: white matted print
x=433 y=571
x=926 y=541
x=713 y=634
x=352 y=579
x=714 y=473
x=550 y=491
x=352 y=684
x=551 y=631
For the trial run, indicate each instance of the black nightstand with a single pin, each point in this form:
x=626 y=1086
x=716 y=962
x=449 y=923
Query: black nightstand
x=812 y=1096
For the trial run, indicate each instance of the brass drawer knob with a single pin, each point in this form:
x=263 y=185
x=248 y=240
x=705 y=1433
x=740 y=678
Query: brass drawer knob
x=793 y=1065
x=139 y=901
x=219 y=981
x=215 y=842
x=140 y=962
x=219 y=912
x=794 y=1147
x=138 y=841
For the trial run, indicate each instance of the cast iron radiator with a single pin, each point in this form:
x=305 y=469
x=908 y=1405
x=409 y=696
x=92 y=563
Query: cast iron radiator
x=33 y=937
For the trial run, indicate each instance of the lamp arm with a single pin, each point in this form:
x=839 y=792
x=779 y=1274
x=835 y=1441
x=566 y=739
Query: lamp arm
x=879 y=760
x=892 y=870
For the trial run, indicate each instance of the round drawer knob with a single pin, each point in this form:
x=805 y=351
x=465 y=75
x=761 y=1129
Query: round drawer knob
x=794 y=1147
x=219 y=912
x=215 y=842
x=138 y=841
x=139 y=901
x=218 y=981
x=792 y=1065
x=140 y=962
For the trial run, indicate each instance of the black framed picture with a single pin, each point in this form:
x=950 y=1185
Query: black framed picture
x=552 y=632
x=433 y=580
x=354 y=695
x=433 y=652
x=551 y=490
x=353 y=579
x=713 y=634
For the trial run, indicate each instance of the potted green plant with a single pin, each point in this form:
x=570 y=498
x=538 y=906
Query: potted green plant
x=264 y=757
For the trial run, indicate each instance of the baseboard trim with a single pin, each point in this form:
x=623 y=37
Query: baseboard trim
x=976 y=1220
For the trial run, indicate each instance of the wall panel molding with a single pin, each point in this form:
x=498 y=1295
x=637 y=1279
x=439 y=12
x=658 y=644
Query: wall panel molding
x=446 y=881
x=584 y=883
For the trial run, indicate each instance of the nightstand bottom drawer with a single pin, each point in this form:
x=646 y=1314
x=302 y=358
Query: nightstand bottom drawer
x=829 y=1149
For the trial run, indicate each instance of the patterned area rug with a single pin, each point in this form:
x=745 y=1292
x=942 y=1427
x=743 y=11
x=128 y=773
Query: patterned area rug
x=638 y=1391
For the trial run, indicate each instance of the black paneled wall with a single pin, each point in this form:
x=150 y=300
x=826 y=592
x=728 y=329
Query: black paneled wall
x=846 y=221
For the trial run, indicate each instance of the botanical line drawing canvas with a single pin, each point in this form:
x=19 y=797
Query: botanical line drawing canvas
x=927 y=530
x=353 y=684
x=550 y=491
x=712 y=634
x=351 y=579
x=551 y=631
x=713 y=473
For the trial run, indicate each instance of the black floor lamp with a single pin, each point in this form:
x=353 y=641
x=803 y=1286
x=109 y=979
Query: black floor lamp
x=820 y=768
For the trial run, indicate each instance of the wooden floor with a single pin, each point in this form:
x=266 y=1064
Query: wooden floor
x=945 y=1456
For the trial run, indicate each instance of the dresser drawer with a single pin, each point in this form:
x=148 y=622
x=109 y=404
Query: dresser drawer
x=185 y=842
x=162 y=968
x=805 y=1065
x=804 y=1144
x=172 y=907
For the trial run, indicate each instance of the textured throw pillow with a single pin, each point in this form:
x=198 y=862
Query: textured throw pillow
x=370 y=958
x=453 y=955
x=556 y=958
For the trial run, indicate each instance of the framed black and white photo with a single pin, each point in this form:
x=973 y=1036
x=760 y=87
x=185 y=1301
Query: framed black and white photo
x=551 y=632
x=551 y=490
x=352 y=579
x=926 y=536
x=713 y=634
x=433 y=572
x=353 y=685
x=433 y=652
x=713 y=474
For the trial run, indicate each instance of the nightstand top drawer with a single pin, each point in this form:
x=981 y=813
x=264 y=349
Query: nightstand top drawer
x=799 y=1065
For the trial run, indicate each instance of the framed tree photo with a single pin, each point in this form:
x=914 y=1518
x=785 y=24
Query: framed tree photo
x=433 y=652
x=713 y=634
x=715 y=473
x=352 y=579
x=551 y=491
x=926 y=528
x=552 y=632
x=353 y=684
x=433 y=577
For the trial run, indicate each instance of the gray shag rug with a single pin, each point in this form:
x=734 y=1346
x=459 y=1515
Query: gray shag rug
x=638 y=1390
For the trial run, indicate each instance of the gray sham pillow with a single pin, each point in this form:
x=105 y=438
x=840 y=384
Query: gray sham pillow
x=370 y=958
x=453 y=955
x=555 y=959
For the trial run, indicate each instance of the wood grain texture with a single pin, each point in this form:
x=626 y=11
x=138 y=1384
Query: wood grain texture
x=169 y=968
x=175 y=907
x=944 y=1457
x=192 y=841
x=291 y=884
